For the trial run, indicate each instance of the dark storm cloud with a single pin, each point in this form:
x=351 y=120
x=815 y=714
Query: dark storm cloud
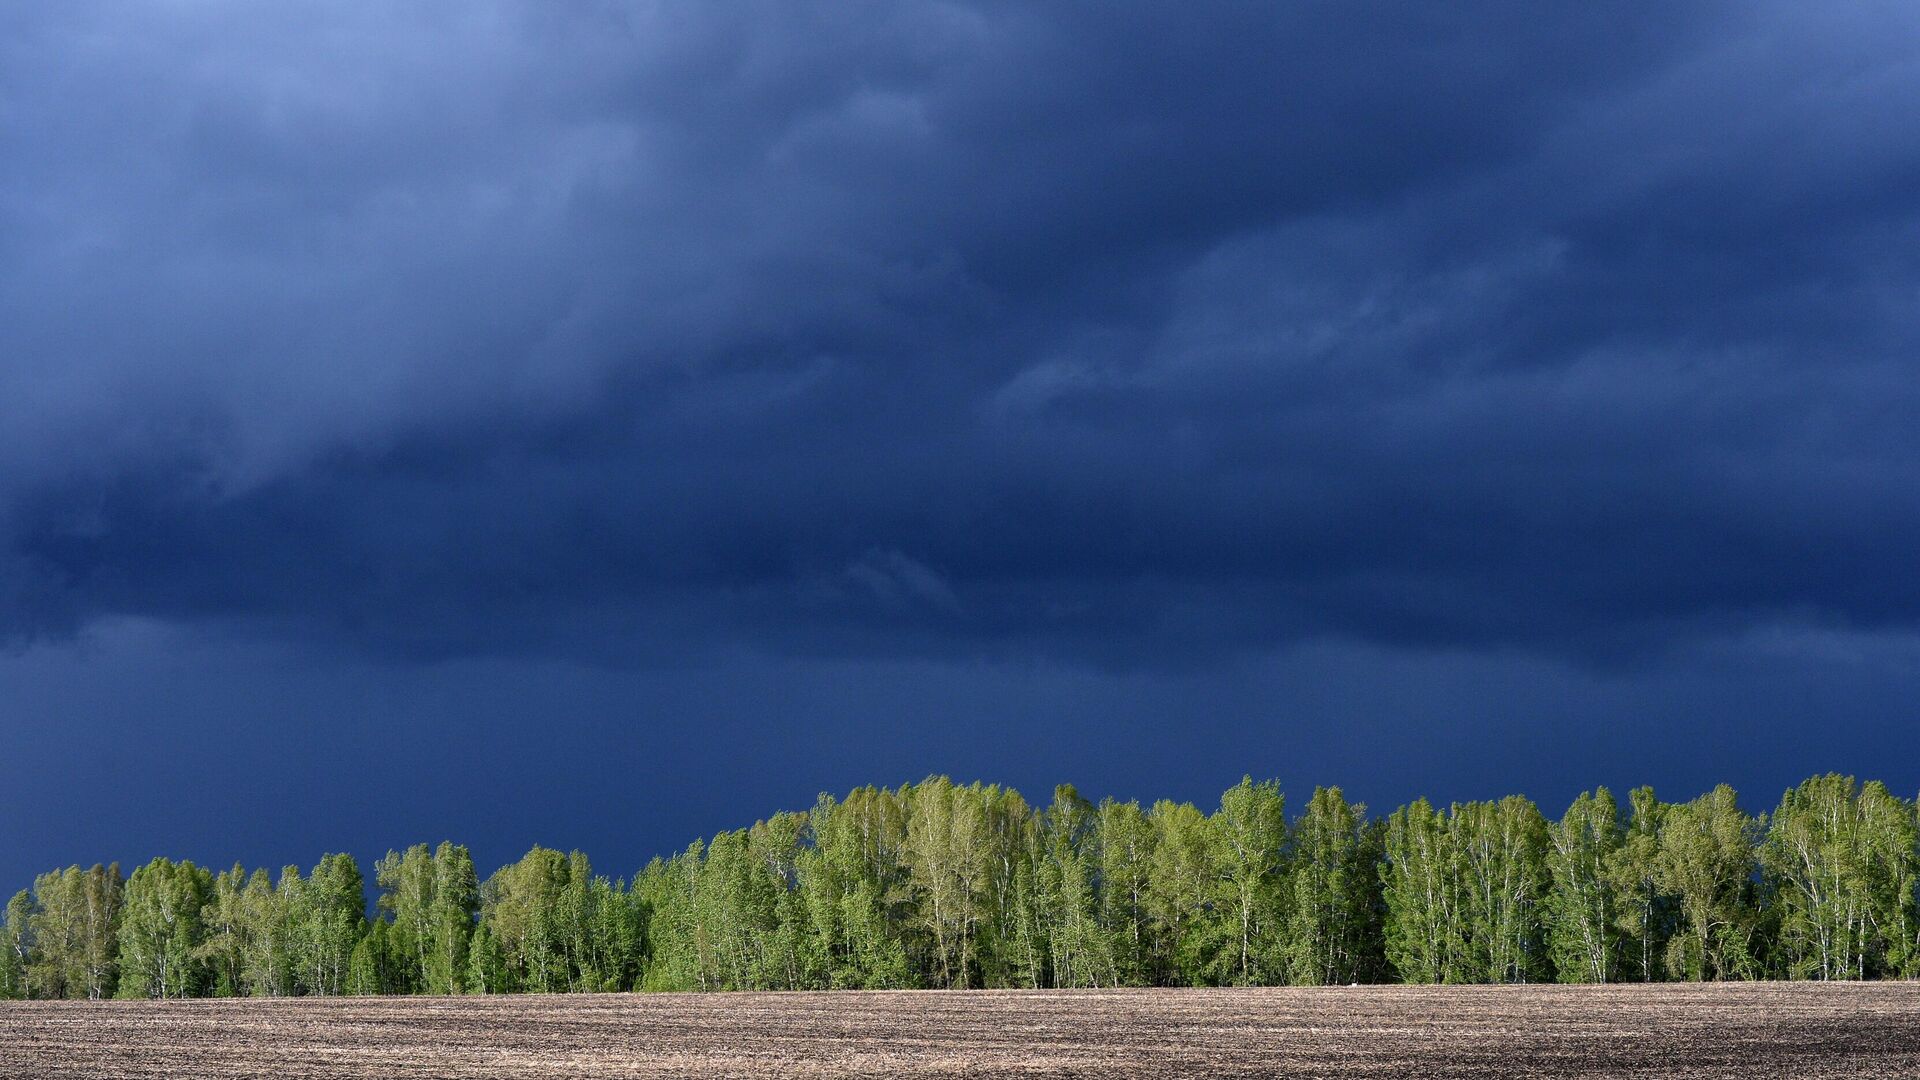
x=1120 y=333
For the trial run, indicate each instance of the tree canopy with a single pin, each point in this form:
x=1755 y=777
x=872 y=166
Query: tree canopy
x=940 y=884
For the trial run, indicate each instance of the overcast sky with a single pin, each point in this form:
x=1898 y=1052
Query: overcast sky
x=601 y=424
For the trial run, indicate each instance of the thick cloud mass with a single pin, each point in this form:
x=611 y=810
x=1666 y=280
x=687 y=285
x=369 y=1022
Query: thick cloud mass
x=1131 y=335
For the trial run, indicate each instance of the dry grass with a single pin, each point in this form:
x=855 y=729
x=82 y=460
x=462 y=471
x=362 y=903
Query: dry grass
x=1723 y=1030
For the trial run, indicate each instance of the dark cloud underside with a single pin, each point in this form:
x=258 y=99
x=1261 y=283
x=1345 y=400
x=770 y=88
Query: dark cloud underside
x=1139 y=335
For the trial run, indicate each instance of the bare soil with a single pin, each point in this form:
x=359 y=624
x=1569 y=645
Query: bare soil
x=1776 y=1029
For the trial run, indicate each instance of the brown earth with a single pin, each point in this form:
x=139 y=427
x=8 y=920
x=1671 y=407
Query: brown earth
x=1729 y=1030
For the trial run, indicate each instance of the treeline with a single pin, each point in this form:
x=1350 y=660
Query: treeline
x=943 y=885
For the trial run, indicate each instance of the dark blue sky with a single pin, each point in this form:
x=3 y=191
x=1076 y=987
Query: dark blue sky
x=601 y=424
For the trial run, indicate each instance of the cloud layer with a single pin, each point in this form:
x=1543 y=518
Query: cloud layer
x=1128 y=337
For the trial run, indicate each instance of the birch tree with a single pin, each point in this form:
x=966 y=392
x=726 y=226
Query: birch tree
x=16 y=945
x=160 y=930
x=1333 y=935
x=1842 y=863
x=1250 y=833
x=1583 y=906
x=1706 y=858
x=1502 y=848
x=1645 y=913
x=1126 y=846
x=1422 y=889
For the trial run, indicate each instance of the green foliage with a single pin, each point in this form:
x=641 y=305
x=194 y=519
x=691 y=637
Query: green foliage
x=1705 y=860
x=13 y=973
x=520 y=904
x=949 y=868
x=1126 y=842
x=1464 y=892
x=1645 y=916
x=266 y=936
x=222 y=949
x=73 y=921
x=1182 y=896
x=1423 y=884
x=1584 y=908
x=486 y=963
x=373 y=968
x=22 y=940
x=161 y=931
x=16 y=946
x=556 y=927
x=1250 y=831
x=1841 y=861
x=678 y=957
x=852 y=889
x=1334 y=933
x=326 y=915
x=938 y=884
x=431 y=896
x=1503 y=847
x=1079 y=951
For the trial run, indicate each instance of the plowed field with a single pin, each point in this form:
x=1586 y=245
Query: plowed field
x=1724 y=1030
